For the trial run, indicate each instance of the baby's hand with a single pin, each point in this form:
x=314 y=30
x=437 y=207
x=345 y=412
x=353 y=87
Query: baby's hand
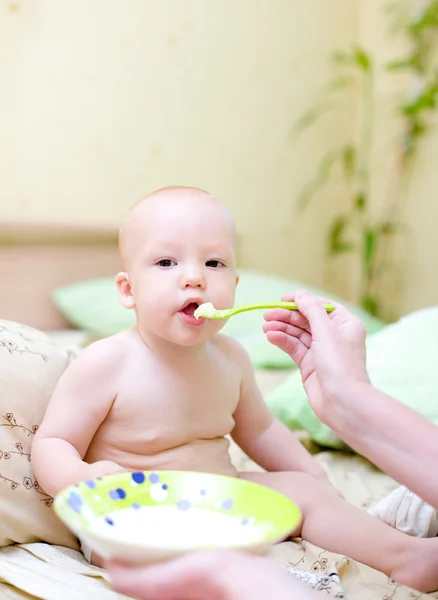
x=103 y=467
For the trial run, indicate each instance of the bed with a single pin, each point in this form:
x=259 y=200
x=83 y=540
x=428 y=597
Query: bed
x=34 y=260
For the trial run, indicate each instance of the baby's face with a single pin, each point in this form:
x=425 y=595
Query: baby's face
x=185 y=255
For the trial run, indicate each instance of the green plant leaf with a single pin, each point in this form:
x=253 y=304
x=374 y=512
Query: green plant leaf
x=415 y=130
x=428 y=19
x=426 y=101
x=309 y=117
x=360 y=201
x=349 y=160
x=322 y=176
x=402 y=63
x=357 y=57
x=337 y=244
x=339 y=83
x=370 y=304
x=362 y=59
x=391 y=228
x=369 y=248
x=387 y=228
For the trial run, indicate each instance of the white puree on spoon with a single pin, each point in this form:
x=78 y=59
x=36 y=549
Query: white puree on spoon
x=206 y=310
x=169 y=526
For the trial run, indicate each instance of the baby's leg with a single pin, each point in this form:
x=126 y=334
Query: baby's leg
x=331 y=523
x=93 y=558
x=96 y=560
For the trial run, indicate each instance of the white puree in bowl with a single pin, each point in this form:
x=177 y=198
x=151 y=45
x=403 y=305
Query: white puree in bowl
x=168 y=526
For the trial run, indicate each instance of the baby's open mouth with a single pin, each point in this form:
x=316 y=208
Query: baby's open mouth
x=190 y=308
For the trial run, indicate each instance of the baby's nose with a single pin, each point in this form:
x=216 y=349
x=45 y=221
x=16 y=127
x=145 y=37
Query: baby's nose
x=194 y=278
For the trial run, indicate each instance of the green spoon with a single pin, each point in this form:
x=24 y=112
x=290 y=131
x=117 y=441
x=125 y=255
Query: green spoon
x=208 y=311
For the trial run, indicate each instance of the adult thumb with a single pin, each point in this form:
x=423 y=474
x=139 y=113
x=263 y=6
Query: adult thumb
x=184 y=578
x=313 y=309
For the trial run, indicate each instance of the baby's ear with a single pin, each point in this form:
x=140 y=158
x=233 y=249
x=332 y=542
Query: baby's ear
x=237 y=279
x=124 y=291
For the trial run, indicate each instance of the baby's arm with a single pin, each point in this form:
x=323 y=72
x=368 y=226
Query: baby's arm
x=80 y=403
x=260 y=435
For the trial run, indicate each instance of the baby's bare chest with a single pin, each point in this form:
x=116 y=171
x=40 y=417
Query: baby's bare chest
x=175 y=407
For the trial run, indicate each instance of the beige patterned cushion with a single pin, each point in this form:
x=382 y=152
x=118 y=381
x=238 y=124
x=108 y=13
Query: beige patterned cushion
x=30 y=366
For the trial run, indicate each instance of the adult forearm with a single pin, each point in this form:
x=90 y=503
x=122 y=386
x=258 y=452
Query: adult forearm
x=395 y=438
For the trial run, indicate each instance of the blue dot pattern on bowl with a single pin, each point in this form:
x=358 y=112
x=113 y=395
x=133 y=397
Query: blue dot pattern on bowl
x=118 y=494
x=75 y=501
x=138 y=477
x=158 y=492
x=184 y=505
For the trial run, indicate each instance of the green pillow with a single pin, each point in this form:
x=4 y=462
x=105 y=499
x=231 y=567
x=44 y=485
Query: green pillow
x=93 y=306
x=401 y=361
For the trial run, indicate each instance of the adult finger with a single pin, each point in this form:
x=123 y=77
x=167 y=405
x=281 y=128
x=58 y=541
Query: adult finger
x=295 y=332
x=293 y=317
x=188 y=578
x=291 y=346
x=313 y=309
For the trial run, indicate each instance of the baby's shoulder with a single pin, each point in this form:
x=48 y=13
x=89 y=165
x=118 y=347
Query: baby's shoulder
x=105 y=355
x=232 y=349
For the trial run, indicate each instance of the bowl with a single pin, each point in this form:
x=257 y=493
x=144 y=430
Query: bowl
x=144 y=517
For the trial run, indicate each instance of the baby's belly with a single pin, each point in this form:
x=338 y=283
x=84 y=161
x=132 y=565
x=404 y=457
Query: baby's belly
x=208 y=456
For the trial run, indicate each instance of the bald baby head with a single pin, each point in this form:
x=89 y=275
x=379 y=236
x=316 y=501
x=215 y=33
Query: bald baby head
x=176 y=208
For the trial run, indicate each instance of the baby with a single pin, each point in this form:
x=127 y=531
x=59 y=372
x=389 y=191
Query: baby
x=165 y=394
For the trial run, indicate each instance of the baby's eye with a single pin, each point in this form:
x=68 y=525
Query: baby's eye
x=214 y=264
x=166 y=262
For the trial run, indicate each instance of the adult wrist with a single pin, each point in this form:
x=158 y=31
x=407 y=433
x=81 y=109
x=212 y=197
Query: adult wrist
x=343 y=408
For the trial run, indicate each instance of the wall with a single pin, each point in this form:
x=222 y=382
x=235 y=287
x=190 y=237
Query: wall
x=104 y=101
x=414 y=257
